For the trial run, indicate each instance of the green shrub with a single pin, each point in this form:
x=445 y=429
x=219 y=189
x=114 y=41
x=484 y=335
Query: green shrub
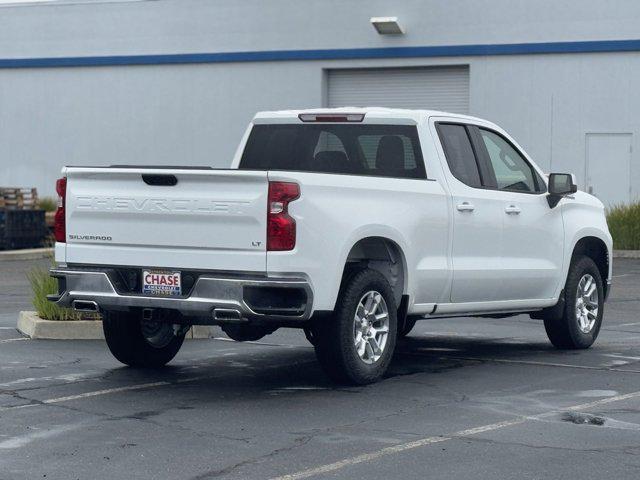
x=48 y=204
x=42 y=285
x=624 y=225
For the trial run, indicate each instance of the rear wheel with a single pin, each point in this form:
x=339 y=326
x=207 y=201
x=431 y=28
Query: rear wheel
x=356 y=343
x=139 y=343
x=583 y=307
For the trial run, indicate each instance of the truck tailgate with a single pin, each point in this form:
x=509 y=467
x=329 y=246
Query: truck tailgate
x=209 y=219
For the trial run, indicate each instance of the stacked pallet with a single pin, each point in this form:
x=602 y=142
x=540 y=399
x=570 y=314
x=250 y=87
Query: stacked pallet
x=18 y=198
x=22 y=223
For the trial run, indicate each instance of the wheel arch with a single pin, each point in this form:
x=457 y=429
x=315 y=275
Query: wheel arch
x=382 y=254
x=595 y=248
x=592 y=244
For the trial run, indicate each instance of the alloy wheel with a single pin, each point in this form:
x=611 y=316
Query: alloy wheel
x=371 y=327
x=587 y=303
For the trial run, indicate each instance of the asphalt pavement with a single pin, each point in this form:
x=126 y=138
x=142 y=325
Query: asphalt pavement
x=464 y=398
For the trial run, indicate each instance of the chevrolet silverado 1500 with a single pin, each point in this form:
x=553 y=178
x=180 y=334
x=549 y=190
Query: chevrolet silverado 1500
x=348 y=223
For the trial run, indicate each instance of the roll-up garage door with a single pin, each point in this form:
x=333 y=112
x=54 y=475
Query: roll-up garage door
x=434 y=88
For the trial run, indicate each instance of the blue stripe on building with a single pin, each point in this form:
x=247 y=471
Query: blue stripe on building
x=329 y=54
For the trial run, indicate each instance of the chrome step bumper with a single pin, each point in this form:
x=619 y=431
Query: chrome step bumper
x=221 y=298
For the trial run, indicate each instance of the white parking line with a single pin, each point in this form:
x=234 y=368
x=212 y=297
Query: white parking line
x=618 y=355
x=69 y=378
x=22 y=440
x=107 y=391
x=531 y=362
x=366 y=457
x=605 y=401
x=535 y=363
x=94 y=393
x=7 y=340
x=225 y=339
x=423 y=442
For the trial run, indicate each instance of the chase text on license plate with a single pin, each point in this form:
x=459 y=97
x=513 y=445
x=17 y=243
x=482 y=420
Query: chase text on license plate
x=161 y=283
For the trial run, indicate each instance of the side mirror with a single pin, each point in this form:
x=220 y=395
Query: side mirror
x=560 y=185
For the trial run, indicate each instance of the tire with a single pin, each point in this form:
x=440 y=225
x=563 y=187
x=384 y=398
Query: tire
x=568 y=331
x=409 y=323
x=335 y=336
x=124 y=335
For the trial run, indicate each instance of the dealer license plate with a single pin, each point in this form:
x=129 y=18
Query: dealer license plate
x=165 y=284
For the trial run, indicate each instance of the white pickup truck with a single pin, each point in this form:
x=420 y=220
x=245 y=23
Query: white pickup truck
x=349 y=223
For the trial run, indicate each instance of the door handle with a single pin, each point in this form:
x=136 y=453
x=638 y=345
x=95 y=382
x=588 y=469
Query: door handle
x=512 y=210
x=465 y=207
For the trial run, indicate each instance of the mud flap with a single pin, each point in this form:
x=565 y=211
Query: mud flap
x=555 y=312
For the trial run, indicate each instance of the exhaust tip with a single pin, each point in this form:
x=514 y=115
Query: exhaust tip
x=227 y=315
x=85 y=306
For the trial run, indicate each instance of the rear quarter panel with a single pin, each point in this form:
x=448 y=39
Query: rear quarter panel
x=334 y=212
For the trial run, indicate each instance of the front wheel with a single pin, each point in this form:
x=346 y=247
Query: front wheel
x=356 y=343
x=139 y=343
x=583 y=309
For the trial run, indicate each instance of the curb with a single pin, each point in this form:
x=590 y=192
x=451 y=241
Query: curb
x=26 y=254
x=31 y=325
x=34 y=327
x=201 y=331
x=626 y=254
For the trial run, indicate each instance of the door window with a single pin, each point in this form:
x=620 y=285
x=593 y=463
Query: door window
x=460 y=157
x=511 y=170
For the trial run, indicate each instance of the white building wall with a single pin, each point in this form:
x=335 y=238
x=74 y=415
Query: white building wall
x=162 y=115
x=550 y=102
x=195 y=114
x=109 y=27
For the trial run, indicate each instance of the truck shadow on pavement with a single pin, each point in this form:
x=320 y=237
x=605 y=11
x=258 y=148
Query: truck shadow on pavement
x=435 y=354
x=274 y=370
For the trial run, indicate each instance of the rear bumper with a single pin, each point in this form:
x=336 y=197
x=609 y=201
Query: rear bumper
x=216 y=298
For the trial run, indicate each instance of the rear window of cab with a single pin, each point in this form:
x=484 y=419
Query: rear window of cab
x=374 y=150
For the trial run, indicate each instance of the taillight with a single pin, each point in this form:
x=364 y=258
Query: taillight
x=281 y=228
x=59 y=225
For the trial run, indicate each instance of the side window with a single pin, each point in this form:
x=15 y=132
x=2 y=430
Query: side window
x=511 y=170
x=459 y=153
